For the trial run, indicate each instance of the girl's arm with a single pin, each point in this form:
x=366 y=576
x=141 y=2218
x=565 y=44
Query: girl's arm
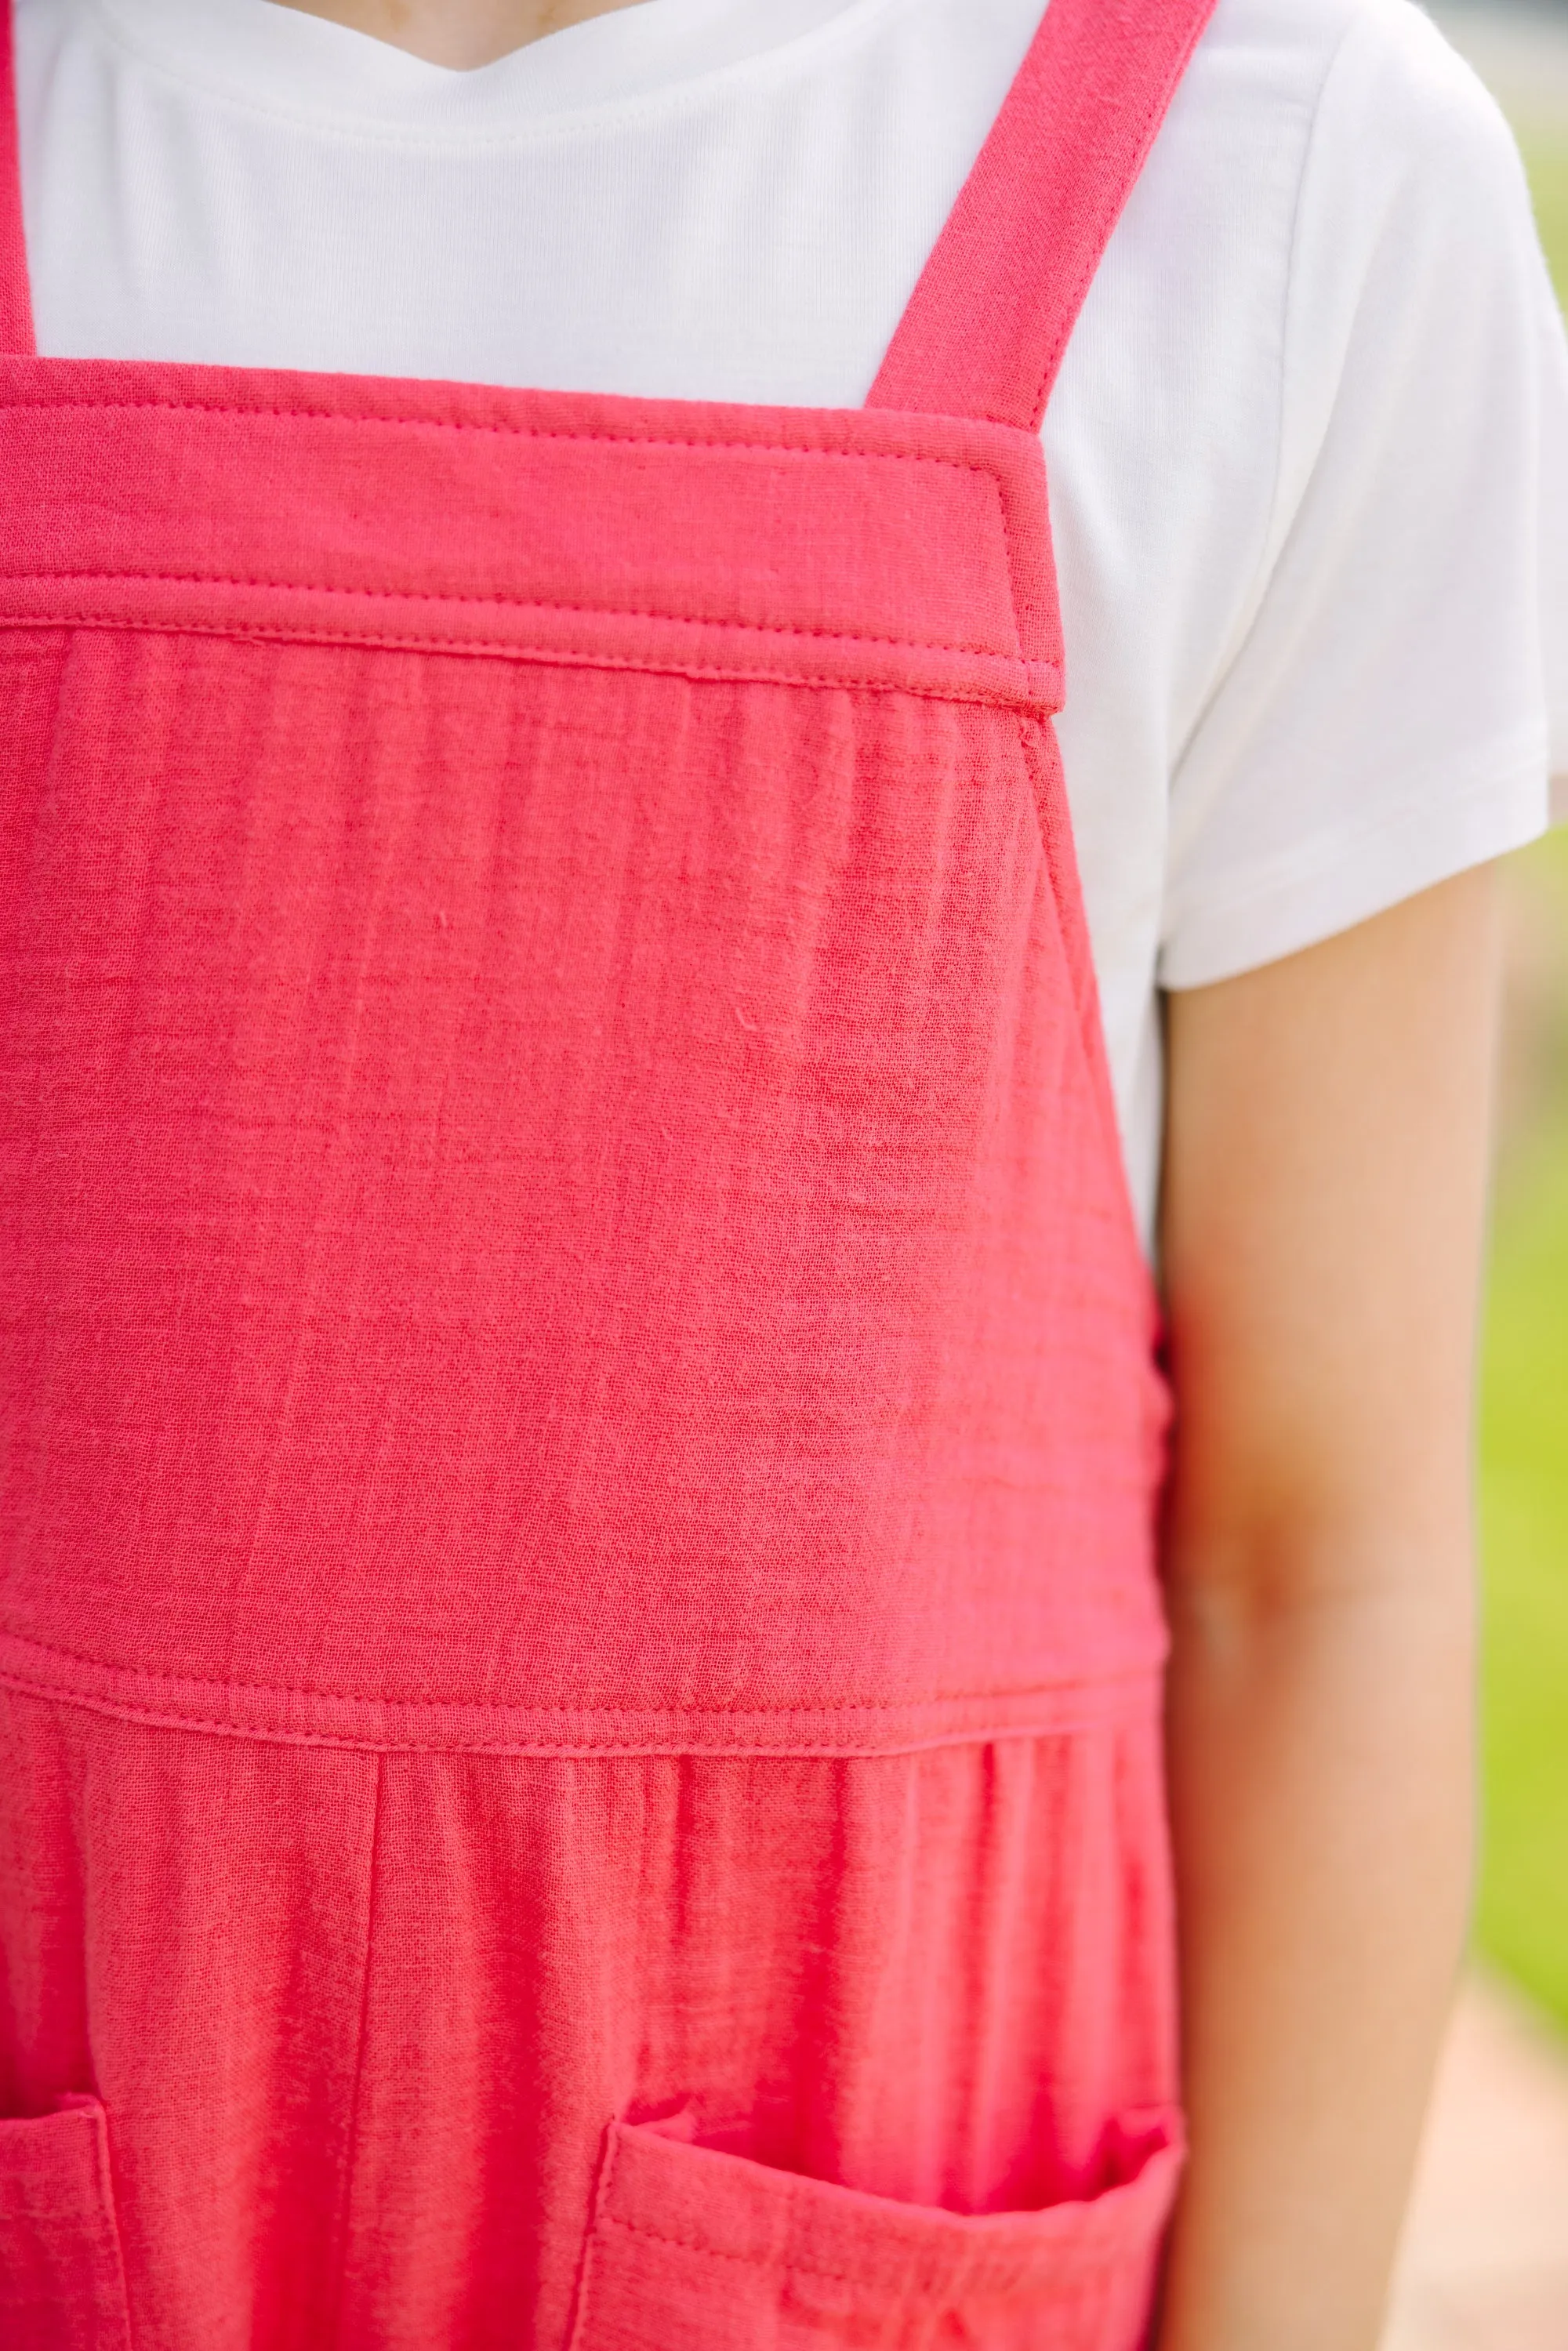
x=1322 y=1229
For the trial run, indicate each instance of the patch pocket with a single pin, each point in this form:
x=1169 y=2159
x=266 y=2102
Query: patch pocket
x=62 y=2283
x=693 y=2249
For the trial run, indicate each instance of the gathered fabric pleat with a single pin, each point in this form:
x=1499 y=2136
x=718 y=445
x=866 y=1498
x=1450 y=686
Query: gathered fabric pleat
x=359 y=2017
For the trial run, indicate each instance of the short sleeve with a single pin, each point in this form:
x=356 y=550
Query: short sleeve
x=1394 y=700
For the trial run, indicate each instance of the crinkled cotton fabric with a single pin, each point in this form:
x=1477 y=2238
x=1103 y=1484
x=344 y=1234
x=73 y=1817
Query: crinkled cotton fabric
x=1308 y=452
x=579 y=1639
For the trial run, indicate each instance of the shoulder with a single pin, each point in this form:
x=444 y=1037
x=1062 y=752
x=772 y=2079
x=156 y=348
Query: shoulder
x=1392 y=101
x=1361 y=92
x=1365 y=211
x=1415 y=276
x=1400 y=108
x=1291 y=49
x=1307 y=138
x=1391 y=52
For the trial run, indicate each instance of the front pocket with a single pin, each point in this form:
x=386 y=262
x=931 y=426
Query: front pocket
x=693 y=2249
x=62 y=2283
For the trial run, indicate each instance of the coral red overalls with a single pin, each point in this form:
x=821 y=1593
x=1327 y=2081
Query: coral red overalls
x=579 y=1751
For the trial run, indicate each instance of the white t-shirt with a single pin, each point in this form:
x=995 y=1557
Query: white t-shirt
x=1307 y=453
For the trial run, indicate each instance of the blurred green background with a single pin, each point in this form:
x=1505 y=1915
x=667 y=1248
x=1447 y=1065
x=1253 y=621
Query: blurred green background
x=1523 y=1921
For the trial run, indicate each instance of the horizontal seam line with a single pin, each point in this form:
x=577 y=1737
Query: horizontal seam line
x=540 y=1750
x=303 y=633
x=532 y=433
x=631 y=440
x=505 y=603
x=751 y=2261
x=968 y=2259
x=837 y=1706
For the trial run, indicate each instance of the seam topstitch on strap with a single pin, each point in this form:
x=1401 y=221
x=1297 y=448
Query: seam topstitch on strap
x=53 y=405
x=502 y=603
x=480 y=648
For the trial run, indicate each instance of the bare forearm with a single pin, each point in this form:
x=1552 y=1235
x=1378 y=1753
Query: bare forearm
x=1321 y=1791
x=1325 y=1182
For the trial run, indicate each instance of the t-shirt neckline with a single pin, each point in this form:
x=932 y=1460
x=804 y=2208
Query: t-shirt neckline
x=279 y=61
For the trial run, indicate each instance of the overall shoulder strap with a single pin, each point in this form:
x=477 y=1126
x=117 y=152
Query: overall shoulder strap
x=16 y=301
x=989 y=319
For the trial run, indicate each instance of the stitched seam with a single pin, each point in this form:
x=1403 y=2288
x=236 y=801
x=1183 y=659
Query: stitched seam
x=1272 y=537
x=440 y=596
x=848 y=1705
x=1084 y=277
x=109 y=2205
x=717 y=2253
x=542 y=1750
x=678 y=665
x=1032 y=787
x=1153 y=115
x=1089 y=1030
x=967 y=2283
x=629 y=439
x=610 y=439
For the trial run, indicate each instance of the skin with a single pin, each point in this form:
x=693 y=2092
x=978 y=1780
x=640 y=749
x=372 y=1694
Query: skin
x=1324 y=1206
x=462 y=34
x=1321 y=1234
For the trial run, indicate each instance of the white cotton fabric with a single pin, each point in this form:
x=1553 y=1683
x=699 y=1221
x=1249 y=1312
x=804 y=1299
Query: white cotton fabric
x=1308 y=453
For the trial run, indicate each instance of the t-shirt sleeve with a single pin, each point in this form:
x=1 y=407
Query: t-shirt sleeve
x=1394 y=700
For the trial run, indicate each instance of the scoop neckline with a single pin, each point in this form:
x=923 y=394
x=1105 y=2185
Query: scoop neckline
x=261 y=59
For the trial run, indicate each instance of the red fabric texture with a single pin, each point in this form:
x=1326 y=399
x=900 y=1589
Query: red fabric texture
x=579 y=1635
x=811 y=2263
x=62 y=2280
x=1073 y=137
x=361 y=2020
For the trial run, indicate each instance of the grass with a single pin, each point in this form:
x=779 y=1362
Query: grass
x=1545 y=151
x=1523 y=1919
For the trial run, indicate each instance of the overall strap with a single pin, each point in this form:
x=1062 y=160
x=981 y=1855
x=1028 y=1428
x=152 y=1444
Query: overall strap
x=988 y=322
x=15 y=300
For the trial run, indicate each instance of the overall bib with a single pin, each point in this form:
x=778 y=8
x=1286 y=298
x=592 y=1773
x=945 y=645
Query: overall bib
x=579 y=1643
